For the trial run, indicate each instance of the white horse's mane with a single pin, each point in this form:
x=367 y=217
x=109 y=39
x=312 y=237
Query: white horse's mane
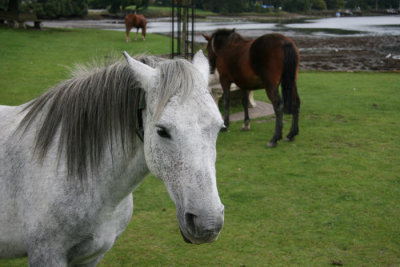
x=97 y=104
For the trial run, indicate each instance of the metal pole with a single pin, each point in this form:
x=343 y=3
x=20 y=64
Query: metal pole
x=180 y=36
x=173 y=29
x=183 y=40
x=192 y=45
x=179 y=15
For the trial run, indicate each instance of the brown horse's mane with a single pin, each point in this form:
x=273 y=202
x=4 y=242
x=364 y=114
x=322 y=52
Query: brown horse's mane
x=222 y=36
x=219 y=39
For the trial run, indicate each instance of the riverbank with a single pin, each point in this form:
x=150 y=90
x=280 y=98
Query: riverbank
x=372 y=53
x=334 y=44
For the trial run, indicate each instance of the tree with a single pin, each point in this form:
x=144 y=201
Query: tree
x=60 y=8
x=231 y=6
x=318 y=5
x=115 y=6
x=296 y=5
x=335 y=4
x=235 y=6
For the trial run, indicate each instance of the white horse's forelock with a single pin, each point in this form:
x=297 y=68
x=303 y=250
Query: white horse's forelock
x=175 y=76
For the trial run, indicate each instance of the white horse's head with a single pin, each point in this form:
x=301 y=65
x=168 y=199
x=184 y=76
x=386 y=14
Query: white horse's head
x=181 y=125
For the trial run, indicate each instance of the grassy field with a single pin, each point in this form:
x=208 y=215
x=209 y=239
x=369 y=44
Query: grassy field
x=32 y=61
x=331 y=197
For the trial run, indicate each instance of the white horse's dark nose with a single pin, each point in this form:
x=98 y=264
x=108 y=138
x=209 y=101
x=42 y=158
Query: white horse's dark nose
x=204 y=226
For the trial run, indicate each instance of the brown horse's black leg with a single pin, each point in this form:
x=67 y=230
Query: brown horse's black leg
x=277 y=103
x=295 y=128
x=295 y=120
x=245 y=103
x=226 y=86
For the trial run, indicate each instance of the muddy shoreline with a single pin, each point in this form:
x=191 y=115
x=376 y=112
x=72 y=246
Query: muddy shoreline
x=319 y=52
x=367 y=53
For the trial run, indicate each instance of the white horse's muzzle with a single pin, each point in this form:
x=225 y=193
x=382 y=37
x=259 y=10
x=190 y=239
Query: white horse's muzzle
x=201 y=227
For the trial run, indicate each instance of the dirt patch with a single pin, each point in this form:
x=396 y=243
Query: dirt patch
x=368 y=53
x=260 y=110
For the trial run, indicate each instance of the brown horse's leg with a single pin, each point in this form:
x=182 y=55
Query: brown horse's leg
x=295 y=119
x=144 y=33
x=245 y=103
x=273 y=95
x=127 y=30
x=137 y=32
x=226 y=87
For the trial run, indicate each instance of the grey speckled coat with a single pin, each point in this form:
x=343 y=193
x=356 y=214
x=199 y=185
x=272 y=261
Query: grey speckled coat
x=70 y=159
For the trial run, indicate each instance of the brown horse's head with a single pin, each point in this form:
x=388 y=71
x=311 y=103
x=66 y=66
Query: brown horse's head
x=215 y=42
x=212 y=57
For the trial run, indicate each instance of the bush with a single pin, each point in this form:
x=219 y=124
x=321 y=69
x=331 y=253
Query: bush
x=61 y=8
x=318 y=5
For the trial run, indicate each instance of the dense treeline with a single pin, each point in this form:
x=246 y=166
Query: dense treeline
x=68 y=8
x=288 y=5
x=48 y=8
x=60 y=8
x=115 y=6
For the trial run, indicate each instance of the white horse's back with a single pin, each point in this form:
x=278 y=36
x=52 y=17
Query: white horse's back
x=9 y=118
x=11 y=240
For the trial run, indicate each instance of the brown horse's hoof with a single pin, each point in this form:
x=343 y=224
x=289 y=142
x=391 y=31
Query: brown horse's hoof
x=288 y=139
x=246 y=125
x=245 y=128
x=272 y=144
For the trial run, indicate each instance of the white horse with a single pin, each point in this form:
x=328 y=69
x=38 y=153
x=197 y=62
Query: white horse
x=70 y=159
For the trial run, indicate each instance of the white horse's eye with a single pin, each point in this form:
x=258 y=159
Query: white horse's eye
x=163 y=132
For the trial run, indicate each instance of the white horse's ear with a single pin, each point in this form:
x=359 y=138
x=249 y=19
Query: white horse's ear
x=201 y=63
x=145 y=73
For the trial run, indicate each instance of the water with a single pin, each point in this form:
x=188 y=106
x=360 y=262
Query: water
x=377 y=25
x=156 y=25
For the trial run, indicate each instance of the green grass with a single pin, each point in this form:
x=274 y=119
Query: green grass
x=331 y=195
x=32 y=61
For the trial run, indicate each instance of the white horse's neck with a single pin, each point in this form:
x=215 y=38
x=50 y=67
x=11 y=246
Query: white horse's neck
x=118 y=179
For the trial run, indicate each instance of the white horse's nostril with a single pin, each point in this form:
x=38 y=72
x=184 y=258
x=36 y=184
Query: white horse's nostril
x=190 y=222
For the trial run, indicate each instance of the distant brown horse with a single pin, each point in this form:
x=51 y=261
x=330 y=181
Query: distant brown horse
x=138 y=21
x=261 y=63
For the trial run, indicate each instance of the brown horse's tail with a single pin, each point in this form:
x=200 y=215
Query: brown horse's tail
x=289 y=77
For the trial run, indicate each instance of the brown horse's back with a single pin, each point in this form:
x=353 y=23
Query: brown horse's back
x=275 y=58
x=133 y=20
x=267 y=57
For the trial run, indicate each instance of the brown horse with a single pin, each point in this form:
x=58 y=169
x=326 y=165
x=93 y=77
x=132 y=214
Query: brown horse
x=138 y=21
x=265 y=62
